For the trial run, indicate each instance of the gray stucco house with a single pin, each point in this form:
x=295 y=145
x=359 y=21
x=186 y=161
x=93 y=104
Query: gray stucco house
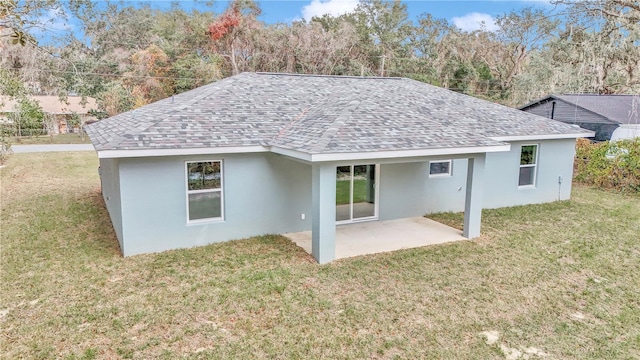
x=275 y=153
x=606 y=115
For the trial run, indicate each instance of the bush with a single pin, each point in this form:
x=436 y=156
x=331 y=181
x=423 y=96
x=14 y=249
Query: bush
x=609 y=165
x=5 y=141
x=5 y=149
x=32 y=132
x=28 y=118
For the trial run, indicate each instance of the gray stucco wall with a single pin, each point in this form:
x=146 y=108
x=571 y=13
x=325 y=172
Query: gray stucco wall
x=447 y=193
x=267 y=193
x=555 y=159
x=401 y=190
x=110 y=180
x=263 y=193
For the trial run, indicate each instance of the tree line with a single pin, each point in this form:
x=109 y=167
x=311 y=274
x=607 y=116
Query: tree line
x=131 y=56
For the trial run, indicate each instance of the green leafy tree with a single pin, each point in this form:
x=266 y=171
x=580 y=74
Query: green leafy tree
x=190 y=71
x=233 y=33
x=384 y=31
x=145 y=53
x=520 y=34
x=10 y=85
x=600 y=45
x=14 y=17
x=28 y=117
x=116 y=98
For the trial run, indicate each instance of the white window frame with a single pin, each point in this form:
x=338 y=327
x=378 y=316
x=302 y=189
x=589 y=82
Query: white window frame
x=534 y=166
x=189 y=192
x=447 y=174
x=376 y=208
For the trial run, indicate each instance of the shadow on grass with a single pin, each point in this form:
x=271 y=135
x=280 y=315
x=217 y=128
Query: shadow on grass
x=59 y=225
x=499 y=218
x=101 y=224
x=246 y=252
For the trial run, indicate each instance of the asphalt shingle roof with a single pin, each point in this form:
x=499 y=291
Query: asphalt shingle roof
x=319 y=114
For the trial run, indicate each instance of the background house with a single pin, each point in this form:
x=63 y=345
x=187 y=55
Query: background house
x=604 y=114
x=277 y=153
x=60 y=113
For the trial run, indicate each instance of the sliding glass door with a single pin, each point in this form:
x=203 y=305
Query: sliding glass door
x=356 y=194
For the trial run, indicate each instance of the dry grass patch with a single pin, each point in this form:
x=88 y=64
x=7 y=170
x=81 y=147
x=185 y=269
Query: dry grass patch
x=67 y=292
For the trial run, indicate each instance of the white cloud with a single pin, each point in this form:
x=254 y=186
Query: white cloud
x=475 y=21
x=50 y=22
x=53 y=21
x=331 y=7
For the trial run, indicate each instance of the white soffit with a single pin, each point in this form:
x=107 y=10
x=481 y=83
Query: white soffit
x=388 y=154
x=107 y=154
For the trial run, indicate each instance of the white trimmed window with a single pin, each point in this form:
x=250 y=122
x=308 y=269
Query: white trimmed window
x=440 y=168
x=204 y=191
x=528 y=165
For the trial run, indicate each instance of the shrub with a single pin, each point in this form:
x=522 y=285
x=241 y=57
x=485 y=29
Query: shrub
x=609 y=165
x=28 y=118
x=6 y=132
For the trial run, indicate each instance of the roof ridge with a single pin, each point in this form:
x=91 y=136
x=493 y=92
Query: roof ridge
x=330 y=76
x=337 y=124
x=223 y=82
x=288 y=125
x=119 y=138
x=165 y=114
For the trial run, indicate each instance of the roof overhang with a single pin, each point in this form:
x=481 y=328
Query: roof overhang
x=325 y=157
x=397 y=154
x=544 y=137
x=368 y=155
x=108 y=154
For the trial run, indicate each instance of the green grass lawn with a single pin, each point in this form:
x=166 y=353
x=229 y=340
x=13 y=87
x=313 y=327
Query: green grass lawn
x=359 y=191
x=54 y=139
x=561 y=280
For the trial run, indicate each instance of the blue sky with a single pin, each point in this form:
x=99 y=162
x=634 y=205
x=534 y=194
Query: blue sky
x=468 y=15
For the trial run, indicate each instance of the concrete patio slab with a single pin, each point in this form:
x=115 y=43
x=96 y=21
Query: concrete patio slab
x=374 y=237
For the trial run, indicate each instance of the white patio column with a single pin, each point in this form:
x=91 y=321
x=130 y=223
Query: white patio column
x=323 y=212
x=473 y=199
